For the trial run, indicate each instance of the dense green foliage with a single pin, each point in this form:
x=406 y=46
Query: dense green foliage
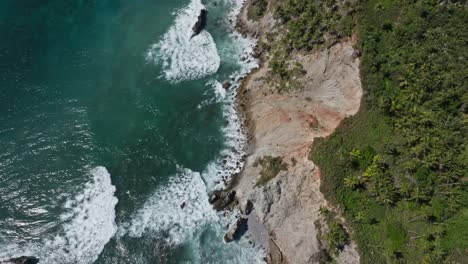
x=270 y=167
x=310 y=24
x=397 y=168
x=333 y=239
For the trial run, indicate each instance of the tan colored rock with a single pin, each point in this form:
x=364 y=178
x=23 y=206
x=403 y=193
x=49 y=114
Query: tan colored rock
x=286 y=125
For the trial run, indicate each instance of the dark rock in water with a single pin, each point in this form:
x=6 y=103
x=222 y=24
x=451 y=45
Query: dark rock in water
x=226 y=85
x=201 y=23
x=21 y=260
x=182 y=206
x=237 y=230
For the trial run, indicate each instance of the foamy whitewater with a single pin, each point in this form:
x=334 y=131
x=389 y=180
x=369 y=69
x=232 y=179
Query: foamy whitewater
x=88 y=225
x=175 y=211
x=180 y=209
x=178 y=212
x=181 y=56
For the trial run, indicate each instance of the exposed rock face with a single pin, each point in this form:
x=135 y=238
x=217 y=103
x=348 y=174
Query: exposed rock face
x=247 y=208
x=21 y=260
x=221 y=199
x=201 y=23
x=286 y=125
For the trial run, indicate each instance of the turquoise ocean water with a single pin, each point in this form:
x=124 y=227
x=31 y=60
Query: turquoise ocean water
x=111 y=119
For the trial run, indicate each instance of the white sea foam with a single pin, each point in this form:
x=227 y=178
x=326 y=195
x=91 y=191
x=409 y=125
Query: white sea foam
x=87 y=226
x=181 y=56
x=175 y=211
x=231 y=160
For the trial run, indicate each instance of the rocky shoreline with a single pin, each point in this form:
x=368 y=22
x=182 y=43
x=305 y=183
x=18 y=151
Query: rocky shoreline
x=284 y=216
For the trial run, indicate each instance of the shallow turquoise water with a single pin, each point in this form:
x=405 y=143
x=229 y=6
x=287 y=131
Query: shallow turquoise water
x=108 y=123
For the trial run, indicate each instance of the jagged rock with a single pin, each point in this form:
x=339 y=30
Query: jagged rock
x=200 y=24
x=237 y=230
x=247 y=208
x=213 y=198
x=21 y=260
x=226 y=85
x=224 y=199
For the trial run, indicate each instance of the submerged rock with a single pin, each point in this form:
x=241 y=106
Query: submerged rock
x=200 y=24
x=21 y=260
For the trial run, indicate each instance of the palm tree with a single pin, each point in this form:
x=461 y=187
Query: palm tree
x=352 y=182
x=418 y=195
x=360 y=217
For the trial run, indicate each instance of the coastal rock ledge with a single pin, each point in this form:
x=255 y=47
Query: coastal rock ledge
x=283 y=125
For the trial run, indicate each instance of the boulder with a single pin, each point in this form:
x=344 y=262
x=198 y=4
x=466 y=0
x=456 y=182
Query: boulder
x=213 y=198
x=201 y=23
x=21 y=260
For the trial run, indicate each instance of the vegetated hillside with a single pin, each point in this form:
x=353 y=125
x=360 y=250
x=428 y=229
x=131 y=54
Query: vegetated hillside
x=398 y=169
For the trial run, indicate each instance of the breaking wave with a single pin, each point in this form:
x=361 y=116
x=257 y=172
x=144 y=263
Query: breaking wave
x=88 y=225
x=181 y=56
x=175 y=211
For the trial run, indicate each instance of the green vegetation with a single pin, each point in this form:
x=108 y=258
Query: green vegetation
x=335 y=237
x=257 y=9
x=397 y=168
x=308 y=25
x=270 y=167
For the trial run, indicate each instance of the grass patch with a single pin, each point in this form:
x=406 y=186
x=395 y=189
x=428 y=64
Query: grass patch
x=270 y=167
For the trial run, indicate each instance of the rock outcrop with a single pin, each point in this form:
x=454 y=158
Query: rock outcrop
x=221 y=199
x=21 y=260
x=285 y=125
x=200 y=24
